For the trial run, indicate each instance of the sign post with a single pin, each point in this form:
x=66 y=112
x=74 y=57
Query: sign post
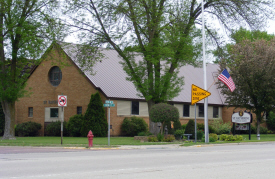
x=62 y=101
x=109 y=104
x=198 y=94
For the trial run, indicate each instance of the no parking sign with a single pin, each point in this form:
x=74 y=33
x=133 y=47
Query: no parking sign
x=62 y=100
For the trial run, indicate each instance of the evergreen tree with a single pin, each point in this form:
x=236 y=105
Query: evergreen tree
x=94 y=118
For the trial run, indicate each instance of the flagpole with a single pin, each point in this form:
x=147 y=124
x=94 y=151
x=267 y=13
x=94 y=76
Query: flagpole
x=205 y=82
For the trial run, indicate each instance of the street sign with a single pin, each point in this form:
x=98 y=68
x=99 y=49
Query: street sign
x=62 y=100
x=108 y=105
x=109 y=102
x=198 y=94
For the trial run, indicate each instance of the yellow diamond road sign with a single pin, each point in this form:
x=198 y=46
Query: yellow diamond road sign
x=198 y=94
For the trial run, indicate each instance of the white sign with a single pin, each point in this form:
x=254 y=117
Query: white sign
x=241 y=117
x=62 y=100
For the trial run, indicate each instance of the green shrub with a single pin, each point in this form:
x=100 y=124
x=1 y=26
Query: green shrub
x=225 y=137
x=28 y=129
x=133 y=126
x=95 y=118
x=152 y=138
x=54 y=129
x=211 y=139
x=144 y=133
x=271 y=121
x=190 y=128
x=200 y=126
x=177 y=125
x=168 y=138
x=220 y=127
x=211 y=129
x=74 y=125
x=214 y=136
x=184 y=126
x=239 y=137
x=178 y=134
x=200 y=134
x=263 y=130
x=160 y=137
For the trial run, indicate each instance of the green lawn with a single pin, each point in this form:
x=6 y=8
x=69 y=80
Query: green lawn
x=75 y=141
x=114 y=141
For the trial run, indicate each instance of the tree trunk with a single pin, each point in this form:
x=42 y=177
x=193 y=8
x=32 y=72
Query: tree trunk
x=258 y=125
x=153 y=127
x=9 y=111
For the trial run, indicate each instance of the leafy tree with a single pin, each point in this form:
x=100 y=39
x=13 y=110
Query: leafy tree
x=162 y=31
x=26 y=28
x=252 y=67
x=163 y=112
x=94 y=118
x=237 y=37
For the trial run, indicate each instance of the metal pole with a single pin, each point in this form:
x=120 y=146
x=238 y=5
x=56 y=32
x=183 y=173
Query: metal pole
x=109 y=125
x=205 y=82
x=62 y=119
x=195 y=123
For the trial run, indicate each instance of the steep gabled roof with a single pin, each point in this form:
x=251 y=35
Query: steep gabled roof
x=111 y=78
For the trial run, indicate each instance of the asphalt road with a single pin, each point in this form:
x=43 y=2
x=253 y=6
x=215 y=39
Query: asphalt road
x=214 y=161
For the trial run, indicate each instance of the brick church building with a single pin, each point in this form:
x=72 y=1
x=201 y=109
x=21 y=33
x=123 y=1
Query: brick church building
x=60 y=73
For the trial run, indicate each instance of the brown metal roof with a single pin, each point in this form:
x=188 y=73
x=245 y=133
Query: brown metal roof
x=111 y=78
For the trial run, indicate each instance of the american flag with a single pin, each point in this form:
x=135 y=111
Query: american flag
x=226 y=78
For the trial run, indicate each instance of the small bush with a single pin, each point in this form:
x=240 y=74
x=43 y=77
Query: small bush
x=200 y=126
x=144 y=133
x=220 y=127
x=160 y=137
x=178 y=134
x=214 y=136
x=263 y=130
x=177 y=125
x=133 y=126
x=211 y=129
x=239 y=138
x=168 y=138
x=27 y=129
x=54 y=129
x=184 y=126
x=190 y=128
x=211 y=139
x=74 y=125
x=200 y=134
x=225 y=137
x=271 y=121
x=152 y=138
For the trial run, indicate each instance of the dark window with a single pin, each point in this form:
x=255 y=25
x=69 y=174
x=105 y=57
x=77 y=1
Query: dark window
x=201 y=111
x=135 y=107
x=215 y=112
x=79 y=110
x=54 y=112
x=55 y=76
x=186 y=110
x=30 y=112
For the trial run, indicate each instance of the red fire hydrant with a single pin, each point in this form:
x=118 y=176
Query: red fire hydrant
x=90 y=138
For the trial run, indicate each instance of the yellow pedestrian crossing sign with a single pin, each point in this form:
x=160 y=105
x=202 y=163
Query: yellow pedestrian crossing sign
x=198 y=94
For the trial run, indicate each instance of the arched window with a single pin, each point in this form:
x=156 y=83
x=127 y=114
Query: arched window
x=55 y=76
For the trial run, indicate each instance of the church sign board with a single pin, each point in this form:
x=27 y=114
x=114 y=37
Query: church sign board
x=241 y=117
